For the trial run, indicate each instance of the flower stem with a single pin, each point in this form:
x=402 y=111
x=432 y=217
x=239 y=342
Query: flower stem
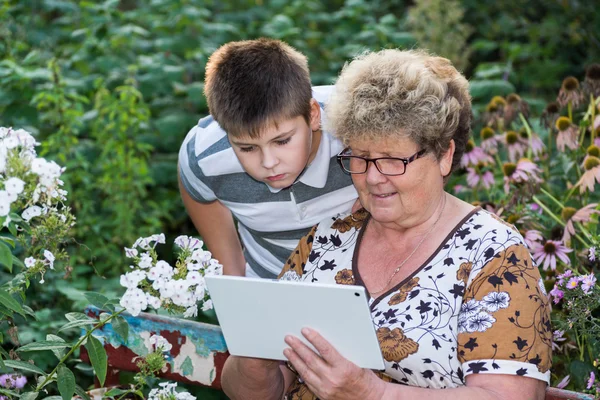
x=75 y=347
x=557 y=219
x=529 y=134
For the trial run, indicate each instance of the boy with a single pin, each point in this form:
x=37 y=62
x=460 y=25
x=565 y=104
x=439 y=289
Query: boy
x=261 y=158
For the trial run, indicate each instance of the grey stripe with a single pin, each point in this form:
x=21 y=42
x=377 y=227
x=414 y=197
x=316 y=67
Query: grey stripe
x=259 y=269
x=336 y=179
x=220 y=145
x=295 y=234
x=191 y=190
x=206 y=121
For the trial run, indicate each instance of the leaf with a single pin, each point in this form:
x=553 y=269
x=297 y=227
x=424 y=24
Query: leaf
x=29 y=396
x=9 y=302
x=53 y=398
x=8 y=240
x=43 y=345
x=77 y=324
x=6 y=257
x=114 y=392
x=97 y=299
x=66 y=382
x=23 y=366
x=121 y=327
x=97 y=357
x=59 y=353
x=76 y=316
x=81 y=393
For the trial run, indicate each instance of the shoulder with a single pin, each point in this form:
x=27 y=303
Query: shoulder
x=343 y=223
x=322 y=93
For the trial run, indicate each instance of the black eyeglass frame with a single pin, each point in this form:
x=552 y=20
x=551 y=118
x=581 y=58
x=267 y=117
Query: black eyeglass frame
x=405 y=161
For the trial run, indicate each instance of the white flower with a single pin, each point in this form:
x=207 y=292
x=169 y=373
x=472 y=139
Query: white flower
x=4 y=132
x=131 y=279
x=11 y=142
x=50 y=258
x=130 y=253
x=145 y=261
x=160 y=343
x=188 y=242
x=4 y=203
x=480 y=322
x=194 y=278
x=470 y=308
x=31 y=212
x=134 y=301
x=153 y=301
x=201 y=256
x=200 y=290
x=191 y=311
x=30 y=262
x=14 y=185
x=495 y=301
x=25 y=138
x=207 y=305
x=290 y=276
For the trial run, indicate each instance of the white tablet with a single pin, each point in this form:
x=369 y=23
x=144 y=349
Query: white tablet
x=256 y=315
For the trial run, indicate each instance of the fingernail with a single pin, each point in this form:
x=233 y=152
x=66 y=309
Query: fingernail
x=306 y=331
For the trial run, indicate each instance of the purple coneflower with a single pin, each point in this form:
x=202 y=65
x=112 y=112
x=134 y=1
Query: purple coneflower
x=523 y=171
x=563 y=384
x=475 y=176
x=567 y=134
x=549 y=115
x=570 y=92
x=571 y=215
x=474 y=155
x=535 y=142
x=548 y=253
x=591 y=83
x=591 y=165
x=532 y=238
x=489 y=140
x=514 y=145
x=515 y=105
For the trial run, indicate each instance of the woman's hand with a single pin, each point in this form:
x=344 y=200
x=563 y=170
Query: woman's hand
x=329 y=375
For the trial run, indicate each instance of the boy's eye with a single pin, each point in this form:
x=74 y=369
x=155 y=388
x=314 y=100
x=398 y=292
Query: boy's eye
x=284 y=141
x=247 y=149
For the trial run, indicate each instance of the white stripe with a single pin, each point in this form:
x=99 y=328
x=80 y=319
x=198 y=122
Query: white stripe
x=289 y=244
x=286 y=215
x=206 y=137
x=184 y=168
x=221 y=163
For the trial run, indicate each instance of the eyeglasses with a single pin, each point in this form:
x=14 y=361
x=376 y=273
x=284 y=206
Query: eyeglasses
x=391 y=166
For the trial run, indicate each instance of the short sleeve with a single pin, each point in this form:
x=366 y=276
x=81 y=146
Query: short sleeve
x=294 y=266
x=190 y=173
x=504 y=322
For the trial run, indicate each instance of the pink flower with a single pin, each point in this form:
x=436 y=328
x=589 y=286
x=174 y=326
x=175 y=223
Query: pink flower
x=582 y=215
x=562 y=384
x=548 y=253
x=13 y=381
x=568 y=134
x=536 y=208
x=524 y=171
x=459 y=189
x=532 y=237
x=591 y=165
x=557 y=294
x=572 y=284
x=474 y=178
x=591 y=381
x=474 y=155
x=592 y=254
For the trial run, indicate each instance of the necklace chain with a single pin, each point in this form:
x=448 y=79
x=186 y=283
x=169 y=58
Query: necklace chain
x=412 y=252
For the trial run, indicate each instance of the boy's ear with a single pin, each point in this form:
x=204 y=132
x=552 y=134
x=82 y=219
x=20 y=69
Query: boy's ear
x=315 y=115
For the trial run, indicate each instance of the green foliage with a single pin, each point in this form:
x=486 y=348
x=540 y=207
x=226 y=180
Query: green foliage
x=438 y=25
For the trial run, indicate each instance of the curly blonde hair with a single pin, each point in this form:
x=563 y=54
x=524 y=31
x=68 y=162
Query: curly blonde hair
x=399 y=94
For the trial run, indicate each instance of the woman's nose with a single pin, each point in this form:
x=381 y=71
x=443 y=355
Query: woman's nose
x=373 y=175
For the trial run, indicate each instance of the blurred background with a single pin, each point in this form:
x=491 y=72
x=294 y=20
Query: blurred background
x=112 y=87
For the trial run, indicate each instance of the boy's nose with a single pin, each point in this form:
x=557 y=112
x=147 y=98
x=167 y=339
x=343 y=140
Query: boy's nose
x=269 y=159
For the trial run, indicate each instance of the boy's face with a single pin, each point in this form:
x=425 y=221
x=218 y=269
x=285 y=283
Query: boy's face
x=282 y=152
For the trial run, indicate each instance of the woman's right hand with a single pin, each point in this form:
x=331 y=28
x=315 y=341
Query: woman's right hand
x=252 y=378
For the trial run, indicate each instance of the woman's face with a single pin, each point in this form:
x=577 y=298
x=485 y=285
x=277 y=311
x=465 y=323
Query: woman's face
x=401 y=199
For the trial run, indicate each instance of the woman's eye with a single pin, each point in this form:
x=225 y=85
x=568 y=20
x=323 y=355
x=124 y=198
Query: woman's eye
x=284 y=141
x=247 y=149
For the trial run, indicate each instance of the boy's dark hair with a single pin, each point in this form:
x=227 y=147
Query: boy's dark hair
x=250 y=85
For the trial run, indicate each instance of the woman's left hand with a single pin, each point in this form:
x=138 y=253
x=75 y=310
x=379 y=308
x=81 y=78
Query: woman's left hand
x=327 y=374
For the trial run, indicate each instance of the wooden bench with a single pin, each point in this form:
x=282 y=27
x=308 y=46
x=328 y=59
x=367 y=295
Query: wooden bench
x=198 y=352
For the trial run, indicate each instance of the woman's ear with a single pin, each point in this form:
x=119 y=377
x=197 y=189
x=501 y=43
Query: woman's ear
x=446 y=160
x=315 y=115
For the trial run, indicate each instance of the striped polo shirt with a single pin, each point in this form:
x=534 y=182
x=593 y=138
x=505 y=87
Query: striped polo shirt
x=270 y=221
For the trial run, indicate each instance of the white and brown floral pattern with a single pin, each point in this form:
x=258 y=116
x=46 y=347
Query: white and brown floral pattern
x=475 y=306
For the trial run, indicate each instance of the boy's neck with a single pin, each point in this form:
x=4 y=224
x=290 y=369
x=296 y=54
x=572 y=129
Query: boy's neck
x=314 y=148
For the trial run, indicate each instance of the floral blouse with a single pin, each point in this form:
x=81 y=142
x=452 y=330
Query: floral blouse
x=476 y=306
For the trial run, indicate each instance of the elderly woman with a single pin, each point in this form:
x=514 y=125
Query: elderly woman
x=456 y=300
